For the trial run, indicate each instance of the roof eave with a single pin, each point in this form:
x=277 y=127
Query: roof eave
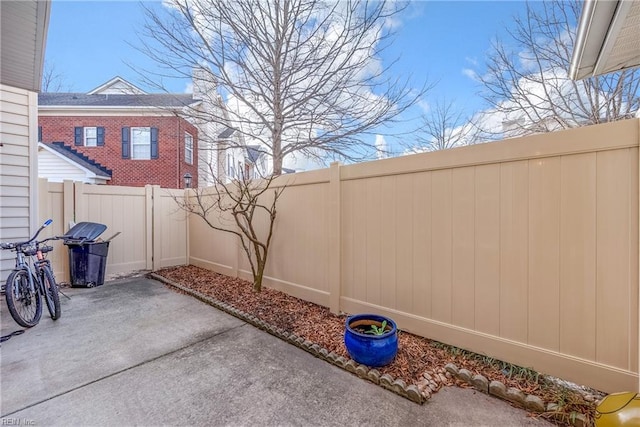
x=44 y=13
x=23 y=68
x=81 y=110
x=114 y=80
x=89 y=172
x=600 y=25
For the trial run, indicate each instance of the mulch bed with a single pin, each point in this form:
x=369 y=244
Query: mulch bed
x=416 y=356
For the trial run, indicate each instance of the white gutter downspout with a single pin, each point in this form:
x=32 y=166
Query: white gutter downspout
x=581 y=38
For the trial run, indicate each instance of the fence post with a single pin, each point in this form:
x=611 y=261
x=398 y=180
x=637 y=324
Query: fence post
x=68 y=204
x=43 y=199
x=150 y=238
x=335 y=240
x=80 y=209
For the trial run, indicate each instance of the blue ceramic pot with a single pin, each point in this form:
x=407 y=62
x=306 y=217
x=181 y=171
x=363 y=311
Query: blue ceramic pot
x=369 y=349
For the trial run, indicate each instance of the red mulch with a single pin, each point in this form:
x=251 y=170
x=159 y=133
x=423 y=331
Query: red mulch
x=416 y=355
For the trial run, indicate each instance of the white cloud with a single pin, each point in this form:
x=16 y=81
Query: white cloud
x=251 y=110
x=470 y=74
x=416 y=149
x=424 y=105
x=415 y=10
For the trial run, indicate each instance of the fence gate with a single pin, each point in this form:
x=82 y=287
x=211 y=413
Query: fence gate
x=153 y=230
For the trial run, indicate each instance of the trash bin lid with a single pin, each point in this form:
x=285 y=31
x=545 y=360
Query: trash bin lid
x=85 y=231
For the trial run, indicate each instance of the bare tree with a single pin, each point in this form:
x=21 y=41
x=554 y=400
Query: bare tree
x=445 y=126
x=53 y=80
x=300 y=76
x=241 y=207
x=527 y=76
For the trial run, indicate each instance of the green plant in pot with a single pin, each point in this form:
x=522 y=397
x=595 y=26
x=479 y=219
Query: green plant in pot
x=378 y=330
x=371 y=339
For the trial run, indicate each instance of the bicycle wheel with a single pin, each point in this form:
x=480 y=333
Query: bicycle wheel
x=51 y=295
x=24 y=305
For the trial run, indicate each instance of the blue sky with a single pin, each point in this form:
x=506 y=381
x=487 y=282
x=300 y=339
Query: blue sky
x=89 y=43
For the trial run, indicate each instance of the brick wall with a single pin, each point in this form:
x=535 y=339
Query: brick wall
x=167 y=170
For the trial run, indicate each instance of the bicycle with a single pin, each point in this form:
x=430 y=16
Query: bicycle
x=32 y=278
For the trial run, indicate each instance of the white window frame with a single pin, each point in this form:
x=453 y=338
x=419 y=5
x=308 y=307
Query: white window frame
x=188 y=148
x=230 y=166
x=90 y=140
x=134 y=143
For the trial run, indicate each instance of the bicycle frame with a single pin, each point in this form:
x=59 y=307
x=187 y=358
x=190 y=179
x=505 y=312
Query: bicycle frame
x=34 y=265
x=24 y=257
x=31 y=261
x=23 y=263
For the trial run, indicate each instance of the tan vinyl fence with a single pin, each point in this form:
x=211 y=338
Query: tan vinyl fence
x=153 y=231
x=525 y=250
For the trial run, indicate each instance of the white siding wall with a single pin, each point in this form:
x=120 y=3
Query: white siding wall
x=56 y=169
x=18 y=126
x=207 y=153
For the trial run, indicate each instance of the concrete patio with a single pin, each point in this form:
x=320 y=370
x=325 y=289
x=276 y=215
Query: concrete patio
x=133 y=352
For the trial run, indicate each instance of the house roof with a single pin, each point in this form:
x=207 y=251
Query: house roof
x=117 y=85
x=23 y=32
x=253 y=153
x=226 y=133
x=116 y=92
x=608 y=38
x=112 y=100
x=79 y=159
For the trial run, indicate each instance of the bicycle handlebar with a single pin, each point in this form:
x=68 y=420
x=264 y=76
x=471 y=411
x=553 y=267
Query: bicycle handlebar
x=15 y=245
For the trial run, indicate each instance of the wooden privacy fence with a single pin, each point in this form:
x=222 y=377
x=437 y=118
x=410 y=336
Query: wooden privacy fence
x=153 y=231
x=525 y=250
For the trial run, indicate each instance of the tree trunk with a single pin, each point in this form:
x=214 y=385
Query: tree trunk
x=277 y=165
x=257 y=278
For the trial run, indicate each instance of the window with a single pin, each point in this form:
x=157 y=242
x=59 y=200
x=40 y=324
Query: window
x=188 y=148
x=140 y=143
x=230 y=171
x=90 y=136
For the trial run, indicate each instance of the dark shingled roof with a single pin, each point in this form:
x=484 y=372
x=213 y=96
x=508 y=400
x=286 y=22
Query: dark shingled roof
x=226 y=133
x=253 y=153
x=116 y=100
x=80 y=159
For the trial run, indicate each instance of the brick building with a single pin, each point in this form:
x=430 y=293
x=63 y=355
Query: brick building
x=138 y=137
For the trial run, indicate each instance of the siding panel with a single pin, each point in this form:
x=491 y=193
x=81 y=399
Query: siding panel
x=15 y=203
x=57 y=170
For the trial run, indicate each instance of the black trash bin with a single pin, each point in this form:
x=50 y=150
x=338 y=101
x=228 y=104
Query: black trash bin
x=87 y=258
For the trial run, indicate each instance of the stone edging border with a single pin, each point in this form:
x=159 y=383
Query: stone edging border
x=511 y=394
x=496 y=388
x=479 y=382
x=386 y=381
